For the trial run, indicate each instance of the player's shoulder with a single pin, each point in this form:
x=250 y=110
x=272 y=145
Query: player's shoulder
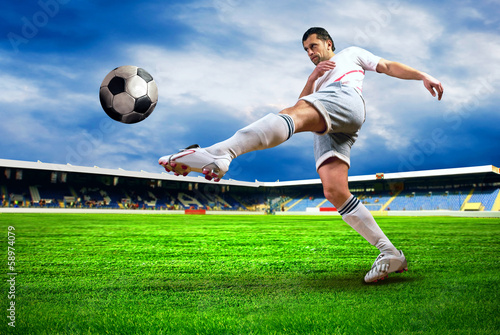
x=352 y=52
x=352 y=49
x=356 y=53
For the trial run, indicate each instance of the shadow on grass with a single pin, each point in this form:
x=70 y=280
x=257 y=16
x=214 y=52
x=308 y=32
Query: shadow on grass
x=395 y=279
x=324 y=282
x=353 y=281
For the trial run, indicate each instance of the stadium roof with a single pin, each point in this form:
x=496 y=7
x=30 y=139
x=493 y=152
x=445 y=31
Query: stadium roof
x=484 y=169
x=15 y=164
x=440 y=173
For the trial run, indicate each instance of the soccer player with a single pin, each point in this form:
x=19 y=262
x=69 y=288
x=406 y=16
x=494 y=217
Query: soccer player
x=331 y=106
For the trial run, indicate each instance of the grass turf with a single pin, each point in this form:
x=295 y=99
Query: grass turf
x=165 y=274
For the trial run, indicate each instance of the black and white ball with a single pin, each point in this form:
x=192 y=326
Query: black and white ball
x=128 y=94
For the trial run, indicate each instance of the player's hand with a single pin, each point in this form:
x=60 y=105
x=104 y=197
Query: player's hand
x=434 y=86
x=322 y=68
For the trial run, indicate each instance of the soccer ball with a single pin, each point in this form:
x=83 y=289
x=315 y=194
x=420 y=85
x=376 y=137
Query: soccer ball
x=128 y=94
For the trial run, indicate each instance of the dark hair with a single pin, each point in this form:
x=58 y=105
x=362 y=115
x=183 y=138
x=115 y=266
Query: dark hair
x=321 y=33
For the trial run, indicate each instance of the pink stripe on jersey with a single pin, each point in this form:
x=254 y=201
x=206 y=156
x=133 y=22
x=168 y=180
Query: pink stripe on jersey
x=345 y=74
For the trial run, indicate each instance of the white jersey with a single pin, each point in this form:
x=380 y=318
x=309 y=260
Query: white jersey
x=351 y=64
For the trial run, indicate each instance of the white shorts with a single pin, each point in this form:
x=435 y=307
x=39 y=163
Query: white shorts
x=343 y=109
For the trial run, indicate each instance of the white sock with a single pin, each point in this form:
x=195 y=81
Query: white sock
x=268 y=132
x=359 y=217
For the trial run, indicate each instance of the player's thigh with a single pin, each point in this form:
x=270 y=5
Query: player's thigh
x=334 y=177
x=306 y=117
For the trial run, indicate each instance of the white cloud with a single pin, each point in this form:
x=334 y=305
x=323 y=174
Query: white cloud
x=469 y=13
x=472 y=59
x=243 y=86
x=18 y=90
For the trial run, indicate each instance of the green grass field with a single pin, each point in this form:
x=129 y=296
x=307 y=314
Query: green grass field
x=181 y=274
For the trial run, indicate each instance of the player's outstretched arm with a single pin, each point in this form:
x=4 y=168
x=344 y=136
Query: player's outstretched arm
x=402 y=71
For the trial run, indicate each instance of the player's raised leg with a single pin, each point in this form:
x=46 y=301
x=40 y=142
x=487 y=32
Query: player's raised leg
x=268 y=132
x=334 y=176
x=214 y=161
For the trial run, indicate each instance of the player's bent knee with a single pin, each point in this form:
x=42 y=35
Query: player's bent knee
x=336 y=196
x=305 y=117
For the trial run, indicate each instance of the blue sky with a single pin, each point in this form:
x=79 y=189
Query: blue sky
x=220 y=65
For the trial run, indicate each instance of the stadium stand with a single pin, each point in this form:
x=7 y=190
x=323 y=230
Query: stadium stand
x=36 y=184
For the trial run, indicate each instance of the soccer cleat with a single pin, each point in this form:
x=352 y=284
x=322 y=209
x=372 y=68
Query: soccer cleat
x=385 y=264
x=196 y=159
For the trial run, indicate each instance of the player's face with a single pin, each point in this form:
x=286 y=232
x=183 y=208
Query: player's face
x=317 y=50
